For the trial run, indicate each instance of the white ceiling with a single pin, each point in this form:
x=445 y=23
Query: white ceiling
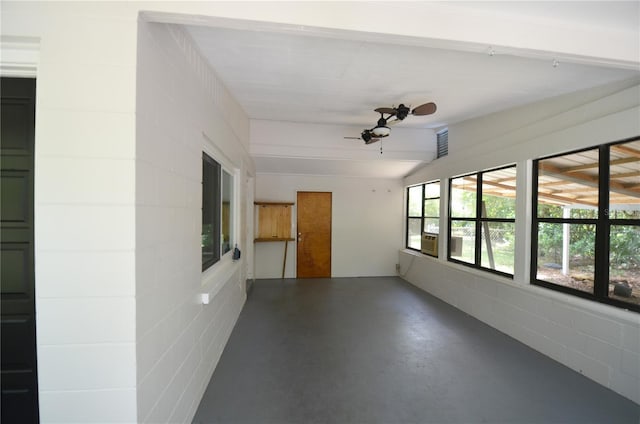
x=338 y=77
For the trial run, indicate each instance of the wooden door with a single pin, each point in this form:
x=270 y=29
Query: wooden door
x=314 y=234
x=18 y=327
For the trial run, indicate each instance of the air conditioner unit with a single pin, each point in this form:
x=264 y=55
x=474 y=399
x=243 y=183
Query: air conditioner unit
x=455 y=246
x=429 y=244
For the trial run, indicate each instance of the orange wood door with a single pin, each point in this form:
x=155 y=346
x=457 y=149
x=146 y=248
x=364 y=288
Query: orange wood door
x=314 y=234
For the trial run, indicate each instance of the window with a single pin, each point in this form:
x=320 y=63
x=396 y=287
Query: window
x=227 y=212
x=423 y=212
x=482 y=220
x=217 y=211
x=443 y=143
x=586 y=227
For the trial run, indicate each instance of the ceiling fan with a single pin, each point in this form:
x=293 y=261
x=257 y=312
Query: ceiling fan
x=367 y=136
x=399 y=113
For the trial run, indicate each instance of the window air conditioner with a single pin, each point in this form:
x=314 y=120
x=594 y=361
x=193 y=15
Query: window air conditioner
x=455 y=246
x=429 y=244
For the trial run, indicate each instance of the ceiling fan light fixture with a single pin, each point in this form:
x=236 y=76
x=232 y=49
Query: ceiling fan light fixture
x=402 y=112
x=381 y=131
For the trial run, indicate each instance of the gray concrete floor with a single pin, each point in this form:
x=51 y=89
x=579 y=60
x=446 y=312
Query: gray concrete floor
x=378 y=350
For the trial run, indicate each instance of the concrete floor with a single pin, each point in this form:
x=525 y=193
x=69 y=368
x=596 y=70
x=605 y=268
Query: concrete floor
x=378 y=350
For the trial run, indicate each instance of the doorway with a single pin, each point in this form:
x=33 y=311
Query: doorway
x=18 y=326
x=314 y=234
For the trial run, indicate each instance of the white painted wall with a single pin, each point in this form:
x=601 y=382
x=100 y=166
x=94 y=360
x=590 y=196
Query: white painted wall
x=179 y=115
x=600 y=341
x=84 y=208
x=366 y=227
x=121 y=336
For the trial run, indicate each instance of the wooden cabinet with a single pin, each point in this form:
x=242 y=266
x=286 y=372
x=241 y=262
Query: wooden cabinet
x=274 y=221
x=274 y=224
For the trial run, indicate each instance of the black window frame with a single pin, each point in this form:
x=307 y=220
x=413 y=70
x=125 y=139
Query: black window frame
x=211 y=207
x=478 y=221
x=422 y=216
x=602 y=225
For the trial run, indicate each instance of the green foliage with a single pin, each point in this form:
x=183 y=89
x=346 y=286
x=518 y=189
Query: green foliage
x=207 y=236
x=463 y=203
x=616 y=214
x=432 y=207
x=625 y=246
x=499 y=207
x=415 y=201
x=582 y=241
x=550 y=242
x=549 y=211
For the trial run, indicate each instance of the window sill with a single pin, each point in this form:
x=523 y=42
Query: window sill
x=553 y=295
x=216 y=276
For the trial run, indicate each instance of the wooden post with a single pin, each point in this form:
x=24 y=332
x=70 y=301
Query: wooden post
x=284 y=260
x=566 y=239
x=487 y=237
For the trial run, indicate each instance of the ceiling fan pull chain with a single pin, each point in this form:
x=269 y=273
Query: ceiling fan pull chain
x=380 y=146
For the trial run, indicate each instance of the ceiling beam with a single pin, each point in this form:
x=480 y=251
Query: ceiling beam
x=626 y=149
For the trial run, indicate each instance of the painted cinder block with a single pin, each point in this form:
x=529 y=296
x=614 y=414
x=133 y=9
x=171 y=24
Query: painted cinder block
x=566 y=336
x=631 y=336
x=631 y=363
x=85 y=227
x=104 y=40
x=86 y=367
x=591 y=368
x=95 y=181
x=603 y=352
x=626 y=385
x=598 y=327
x=65 y=320
x=86 y=134
x=149 y=348
x=85 y=273
x=96 y=87
x=85 y=406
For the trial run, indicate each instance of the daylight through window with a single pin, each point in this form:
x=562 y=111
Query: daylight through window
x=482 y=220
x=587 y=203
x=423 y=216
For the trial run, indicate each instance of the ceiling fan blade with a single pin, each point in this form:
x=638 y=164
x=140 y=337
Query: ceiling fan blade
x=373 y=140
x=353 y=138
x=425 y=109
x=391 y=111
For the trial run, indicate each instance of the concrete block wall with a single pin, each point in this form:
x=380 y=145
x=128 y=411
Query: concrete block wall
x=599 y=341
x=84 y=207
x=178 y=339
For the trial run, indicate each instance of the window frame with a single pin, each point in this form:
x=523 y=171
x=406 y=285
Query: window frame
x=215 y=215
x=478 y=221
x=422 y=216
x=602 y=225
